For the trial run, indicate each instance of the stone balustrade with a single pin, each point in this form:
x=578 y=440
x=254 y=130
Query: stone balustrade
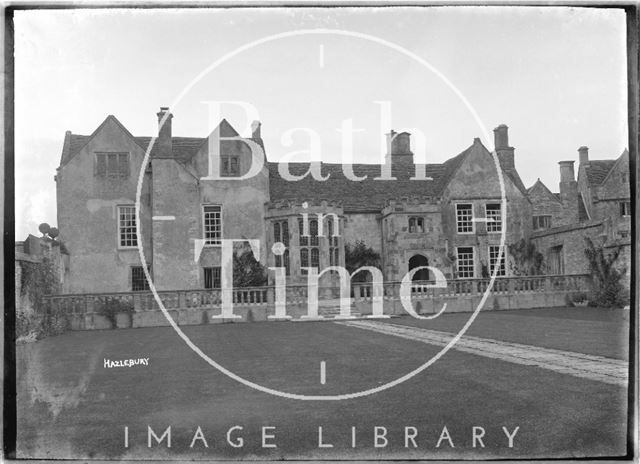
x=198 y=306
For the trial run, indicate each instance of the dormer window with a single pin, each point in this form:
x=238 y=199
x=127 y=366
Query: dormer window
x=230 y=165
x=112 y=165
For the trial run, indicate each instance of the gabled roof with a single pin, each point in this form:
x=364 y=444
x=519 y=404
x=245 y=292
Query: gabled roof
x=74 y=143
x=623 y=156
x=366 y=195
x=539 y=185
x=183 y=148
x=513 y=175
x=597 y=170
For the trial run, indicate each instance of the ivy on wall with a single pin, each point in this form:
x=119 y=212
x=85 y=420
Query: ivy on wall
x=608 y=290
x=38 y=279
x=525 y=259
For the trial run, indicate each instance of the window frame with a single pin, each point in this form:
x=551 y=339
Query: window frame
x=625 y=205
x=224 y=159
x=204 y=225
x=118 y=175
x=486 y=215
x=473 y=262
x=212 y=269
x=537 y=217
x=418 y=227
x=145 y=282
x=504 y=260
x=280 y=229
x=284 y=261
x=304 y=256
x=119 y=228
x=473 y=224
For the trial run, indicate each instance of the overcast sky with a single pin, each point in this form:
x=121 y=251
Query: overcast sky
x=555 y=76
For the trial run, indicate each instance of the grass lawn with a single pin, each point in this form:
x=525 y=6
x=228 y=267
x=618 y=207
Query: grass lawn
x=596 y=331
x=71 y=406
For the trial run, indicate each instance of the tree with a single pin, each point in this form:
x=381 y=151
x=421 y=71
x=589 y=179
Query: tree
x=607 y=279
x=44 y=228
x=358 y=256
x=247 y=271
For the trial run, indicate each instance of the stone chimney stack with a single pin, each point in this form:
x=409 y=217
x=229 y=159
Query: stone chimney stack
x=567 y=174
x=569 y=190
x=256 y=133
x=583 y=153
x=256 y=130
x=503 y=150
x=164 y=142
x=399 y=144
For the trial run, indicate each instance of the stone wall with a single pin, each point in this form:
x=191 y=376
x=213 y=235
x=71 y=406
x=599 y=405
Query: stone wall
x=477 y=182
x=545 y=203
x=88 y=214
x=571 y=238
x=366 y=227
x=401 y=244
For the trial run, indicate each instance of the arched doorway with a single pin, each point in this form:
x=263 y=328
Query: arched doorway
x=418 y=261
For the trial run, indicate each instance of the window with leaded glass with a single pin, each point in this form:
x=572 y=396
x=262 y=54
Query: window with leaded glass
x=212 y=224
x=494 y=251
x=138 y=279
x=465 y=262
x=127 y=236
x=112 y=165
x=212 y=277
x=493 y=213
x=464 y=218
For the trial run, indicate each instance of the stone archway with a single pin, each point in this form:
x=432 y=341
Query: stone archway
x=418 y=261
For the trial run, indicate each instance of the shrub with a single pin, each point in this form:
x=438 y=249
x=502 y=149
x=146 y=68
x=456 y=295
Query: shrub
x=579 y=297
x=111 y=307
x=608 y=290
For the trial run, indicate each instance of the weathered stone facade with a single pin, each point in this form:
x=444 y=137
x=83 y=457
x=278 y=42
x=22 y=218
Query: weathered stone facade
x=603 y=210
x=452 y=214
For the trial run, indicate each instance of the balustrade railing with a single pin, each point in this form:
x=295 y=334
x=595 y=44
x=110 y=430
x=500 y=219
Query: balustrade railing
x=297 y=294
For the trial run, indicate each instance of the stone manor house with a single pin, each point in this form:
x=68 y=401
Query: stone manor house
x=452 y=220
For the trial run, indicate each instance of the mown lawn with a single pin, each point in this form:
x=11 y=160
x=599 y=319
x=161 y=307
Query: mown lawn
x=596 y=331
x=70 y=406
